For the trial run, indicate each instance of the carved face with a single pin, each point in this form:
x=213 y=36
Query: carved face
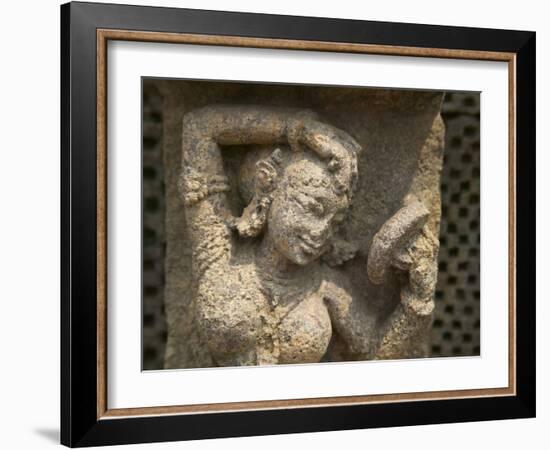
x=305 y=211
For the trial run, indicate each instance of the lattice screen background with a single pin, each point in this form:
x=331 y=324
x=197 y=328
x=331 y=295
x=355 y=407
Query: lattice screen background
x=154 y=240
x=456 y=322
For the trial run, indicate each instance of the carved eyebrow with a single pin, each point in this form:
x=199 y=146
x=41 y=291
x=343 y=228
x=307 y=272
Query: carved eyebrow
x=341 y=204
x=323 y=201
x=311 y=201
x=309 y=196
x=315 y=194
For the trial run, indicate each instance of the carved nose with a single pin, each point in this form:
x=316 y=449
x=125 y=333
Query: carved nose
x=319 y=231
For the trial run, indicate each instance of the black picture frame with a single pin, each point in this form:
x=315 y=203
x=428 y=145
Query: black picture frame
x=80 y=425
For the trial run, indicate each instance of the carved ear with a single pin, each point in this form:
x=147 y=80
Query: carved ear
x=268 y=170
x=254 y=217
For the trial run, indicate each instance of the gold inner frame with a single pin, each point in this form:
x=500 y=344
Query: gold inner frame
x=104 y=35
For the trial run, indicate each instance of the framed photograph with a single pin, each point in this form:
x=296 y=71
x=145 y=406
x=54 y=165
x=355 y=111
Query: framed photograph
x=278 y=224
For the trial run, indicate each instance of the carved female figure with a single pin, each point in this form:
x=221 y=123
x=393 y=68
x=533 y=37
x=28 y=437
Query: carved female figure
x=266 y=288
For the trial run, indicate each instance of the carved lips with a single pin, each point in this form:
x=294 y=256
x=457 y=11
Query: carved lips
x=309 y=246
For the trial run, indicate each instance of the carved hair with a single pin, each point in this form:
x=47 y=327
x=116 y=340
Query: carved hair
x=259 y=174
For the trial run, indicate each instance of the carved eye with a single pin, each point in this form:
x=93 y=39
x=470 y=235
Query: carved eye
x=316 y=207
x=309 y=204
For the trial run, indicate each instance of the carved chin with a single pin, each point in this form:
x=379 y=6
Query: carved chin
x=301 y=260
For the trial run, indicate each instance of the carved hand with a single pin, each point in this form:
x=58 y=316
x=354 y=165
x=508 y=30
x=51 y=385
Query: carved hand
x=405 y=243
x=305 y=128
x=419 y=260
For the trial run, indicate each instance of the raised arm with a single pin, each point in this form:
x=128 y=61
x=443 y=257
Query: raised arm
x=405 y=244
x=203 y=182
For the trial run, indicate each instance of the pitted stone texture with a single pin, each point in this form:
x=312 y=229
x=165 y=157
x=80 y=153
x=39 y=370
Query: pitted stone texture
x=456 y=317
x=348 y=317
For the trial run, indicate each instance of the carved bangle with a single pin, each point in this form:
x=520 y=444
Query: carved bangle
x=195 y=186
x=421 y=308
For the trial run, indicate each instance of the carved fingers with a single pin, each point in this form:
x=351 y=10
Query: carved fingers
x=295 y=127
x=389 y=246
x=405 y=243
x=423 y=267
x=329 y=142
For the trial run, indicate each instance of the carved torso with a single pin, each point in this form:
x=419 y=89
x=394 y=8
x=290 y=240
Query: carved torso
x=249 y=319
x=263 y=293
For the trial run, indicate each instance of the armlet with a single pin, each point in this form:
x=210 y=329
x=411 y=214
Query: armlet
x=195 y=186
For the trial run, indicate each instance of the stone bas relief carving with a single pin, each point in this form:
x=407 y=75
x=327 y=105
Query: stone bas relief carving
x=295 y=235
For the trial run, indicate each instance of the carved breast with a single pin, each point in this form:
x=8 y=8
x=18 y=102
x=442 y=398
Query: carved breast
x=304 y=334
x=242 y=327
